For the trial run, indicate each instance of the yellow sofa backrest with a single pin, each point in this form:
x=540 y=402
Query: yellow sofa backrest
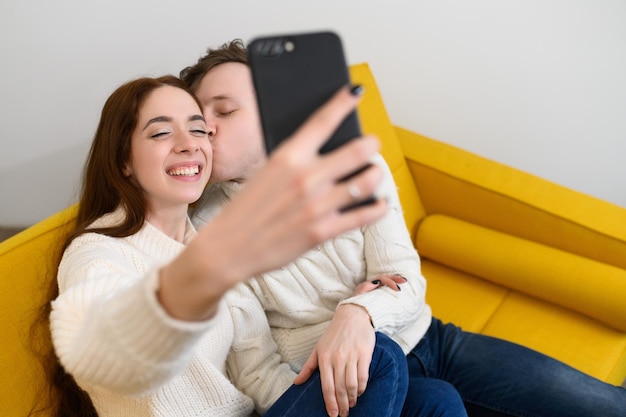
x=375 y=120
x=27 y=268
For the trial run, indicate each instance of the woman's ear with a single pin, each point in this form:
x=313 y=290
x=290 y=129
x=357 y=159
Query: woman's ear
x=127 y=171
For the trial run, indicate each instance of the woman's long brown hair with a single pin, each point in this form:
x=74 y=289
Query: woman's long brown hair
x=104 y=188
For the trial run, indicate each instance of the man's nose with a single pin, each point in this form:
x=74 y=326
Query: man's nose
x=211 y=127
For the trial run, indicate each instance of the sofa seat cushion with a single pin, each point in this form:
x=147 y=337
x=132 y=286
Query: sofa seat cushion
x=480 y=306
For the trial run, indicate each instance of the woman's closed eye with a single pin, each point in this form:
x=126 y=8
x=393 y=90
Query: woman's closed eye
x=160 y=134
x=198 y=132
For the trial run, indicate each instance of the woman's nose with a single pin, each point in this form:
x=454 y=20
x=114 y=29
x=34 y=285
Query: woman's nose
x=186 y=143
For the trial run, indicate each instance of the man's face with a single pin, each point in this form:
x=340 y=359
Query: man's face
x=227 y=95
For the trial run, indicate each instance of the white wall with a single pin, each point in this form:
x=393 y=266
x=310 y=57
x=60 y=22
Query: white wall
x=537 y=84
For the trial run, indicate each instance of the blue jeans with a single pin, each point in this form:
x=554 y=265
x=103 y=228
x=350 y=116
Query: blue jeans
x=494 y=377
x=384 y=396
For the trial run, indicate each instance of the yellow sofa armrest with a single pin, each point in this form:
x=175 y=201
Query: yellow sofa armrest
x=460 y=184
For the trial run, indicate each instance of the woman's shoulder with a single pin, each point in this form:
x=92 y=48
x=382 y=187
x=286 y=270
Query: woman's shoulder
x=93 y=242
x=107 y=220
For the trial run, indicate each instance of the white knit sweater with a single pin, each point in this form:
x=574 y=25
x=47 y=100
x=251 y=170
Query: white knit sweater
x=133 y=359
x=300 y=299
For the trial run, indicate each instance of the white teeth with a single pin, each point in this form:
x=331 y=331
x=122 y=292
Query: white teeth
x=186 y=171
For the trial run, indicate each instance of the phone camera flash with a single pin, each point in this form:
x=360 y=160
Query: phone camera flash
x=289 y=46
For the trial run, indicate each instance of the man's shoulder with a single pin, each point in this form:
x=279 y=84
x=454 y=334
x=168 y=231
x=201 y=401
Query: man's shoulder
x=214 y=197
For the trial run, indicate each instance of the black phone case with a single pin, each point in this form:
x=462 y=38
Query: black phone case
x=294 y=75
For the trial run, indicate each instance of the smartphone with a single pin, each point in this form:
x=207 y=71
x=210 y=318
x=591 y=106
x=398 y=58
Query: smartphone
x=293 y=75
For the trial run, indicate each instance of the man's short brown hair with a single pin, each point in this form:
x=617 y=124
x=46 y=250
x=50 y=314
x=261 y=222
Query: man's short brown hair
x=233 y=51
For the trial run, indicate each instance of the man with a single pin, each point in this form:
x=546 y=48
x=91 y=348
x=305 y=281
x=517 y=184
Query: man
x=316 y=320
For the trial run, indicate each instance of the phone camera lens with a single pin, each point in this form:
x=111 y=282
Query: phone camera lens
x=276 y=48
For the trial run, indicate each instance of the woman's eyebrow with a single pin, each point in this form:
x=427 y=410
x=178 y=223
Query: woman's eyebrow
x=157 y=120
x=196 y=117
x=169 y=119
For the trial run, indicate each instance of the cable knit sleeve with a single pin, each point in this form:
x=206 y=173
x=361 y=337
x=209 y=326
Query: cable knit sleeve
x=107 y=326
x=388 y=249
x=253 y=363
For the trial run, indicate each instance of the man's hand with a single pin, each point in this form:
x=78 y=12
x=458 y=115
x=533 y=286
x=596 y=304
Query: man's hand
x=343 y=355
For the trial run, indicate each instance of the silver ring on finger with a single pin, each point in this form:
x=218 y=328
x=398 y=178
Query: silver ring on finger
x=355 y=192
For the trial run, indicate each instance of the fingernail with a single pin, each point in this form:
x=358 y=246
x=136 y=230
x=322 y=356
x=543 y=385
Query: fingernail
x=398 y=275
x=376 y=282
x=357 y=90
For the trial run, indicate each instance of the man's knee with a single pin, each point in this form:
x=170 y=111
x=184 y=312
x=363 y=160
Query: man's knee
x=433 y=397
x=389 y=358
x=386 y=342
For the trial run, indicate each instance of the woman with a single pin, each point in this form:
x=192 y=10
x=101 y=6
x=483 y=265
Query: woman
x=141 y=321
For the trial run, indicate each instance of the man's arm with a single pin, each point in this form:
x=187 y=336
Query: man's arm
x=389 y=251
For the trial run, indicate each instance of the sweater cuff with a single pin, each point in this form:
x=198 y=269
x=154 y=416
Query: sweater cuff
x=381 y=316
x=362 y=307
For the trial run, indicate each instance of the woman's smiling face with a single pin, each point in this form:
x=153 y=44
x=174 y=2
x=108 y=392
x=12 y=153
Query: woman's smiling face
x=171 y=155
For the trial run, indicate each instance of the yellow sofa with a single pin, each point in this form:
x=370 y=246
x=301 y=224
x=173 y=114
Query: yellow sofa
x=505 y=254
